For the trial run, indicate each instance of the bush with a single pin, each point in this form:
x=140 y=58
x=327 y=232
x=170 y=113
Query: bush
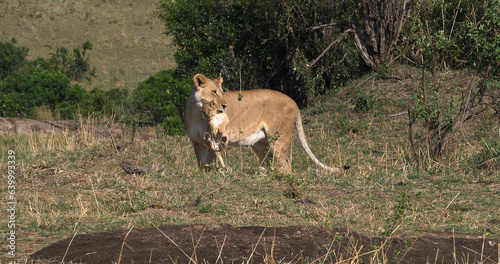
x=23 y=92
x=75 y=66
x=443 y=34
x=12 y=58
x=66 y=111
x=26 y=85
x=173 y=125
x=448 y=34
x=111 y=102
x=263 y=44
x=161 y=99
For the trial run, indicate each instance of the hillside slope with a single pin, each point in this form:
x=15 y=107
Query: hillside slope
x=129 y=44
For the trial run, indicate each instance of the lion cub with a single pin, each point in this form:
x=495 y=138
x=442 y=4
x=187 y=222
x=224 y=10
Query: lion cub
x=217 y=122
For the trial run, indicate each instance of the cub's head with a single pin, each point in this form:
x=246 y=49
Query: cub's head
x=211 y=108
x=208 y=90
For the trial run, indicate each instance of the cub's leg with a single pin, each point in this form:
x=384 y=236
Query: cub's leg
x=217 y=146
x=220 y=159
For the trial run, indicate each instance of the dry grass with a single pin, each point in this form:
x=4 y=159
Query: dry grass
x=129 y=44
x=68 y=179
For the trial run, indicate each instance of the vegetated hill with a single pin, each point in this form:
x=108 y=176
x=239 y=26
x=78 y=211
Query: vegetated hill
x=129 y=44
x=388 y=190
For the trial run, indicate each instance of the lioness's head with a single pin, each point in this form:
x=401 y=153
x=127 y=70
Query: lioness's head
x=209 y=90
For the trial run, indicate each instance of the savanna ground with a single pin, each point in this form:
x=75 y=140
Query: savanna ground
x=377 y=211
x=70 y=186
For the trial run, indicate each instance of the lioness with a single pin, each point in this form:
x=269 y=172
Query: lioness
x=256 y=116
x=197 y=125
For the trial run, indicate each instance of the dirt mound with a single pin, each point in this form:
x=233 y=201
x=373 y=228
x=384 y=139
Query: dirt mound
x=226 y=244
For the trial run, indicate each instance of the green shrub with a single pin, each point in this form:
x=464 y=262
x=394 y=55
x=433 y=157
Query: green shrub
x=12 y=58
x=97 y=101
x=446 y=33
x=26 y=85
x=161 y=99
x=363 y=102
x=66 y=111
x=14 y=105
x=23 y=92
x=76 y=65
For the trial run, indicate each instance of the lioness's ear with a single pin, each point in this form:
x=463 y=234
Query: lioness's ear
x=218 y=81
x=199 y=80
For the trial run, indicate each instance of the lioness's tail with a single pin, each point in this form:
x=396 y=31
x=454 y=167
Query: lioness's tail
x=302 y=138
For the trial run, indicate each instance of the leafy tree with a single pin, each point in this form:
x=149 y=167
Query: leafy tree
x=261 y=44
x=302 y=48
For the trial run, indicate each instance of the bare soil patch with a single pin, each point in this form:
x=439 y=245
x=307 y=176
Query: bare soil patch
x=295 y=244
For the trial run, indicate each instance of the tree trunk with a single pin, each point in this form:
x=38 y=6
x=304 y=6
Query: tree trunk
x=382 y=23
x=375 y=37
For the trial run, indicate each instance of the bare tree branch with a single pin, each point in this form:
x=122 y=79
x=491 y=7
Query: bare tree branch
x=333 y=24
x=340 y=38
x=376 y=37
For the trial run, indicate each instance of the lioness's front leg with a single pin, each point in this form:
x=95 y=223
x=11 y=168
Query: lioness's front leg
x=205 y=155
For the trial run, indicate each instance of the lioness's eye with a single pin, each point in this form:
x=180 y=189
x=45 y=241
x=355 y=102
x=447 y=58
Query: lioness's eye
x=215 y=92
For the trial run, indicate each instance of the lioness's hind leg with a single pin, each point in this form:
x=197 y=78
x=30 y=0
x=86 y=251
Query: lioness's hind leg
x=282 y=155
x=261 y=148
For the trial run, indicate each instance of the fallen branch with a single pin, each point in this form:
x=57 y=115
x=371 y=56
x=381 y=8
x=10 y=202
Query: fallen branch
x=140 y=170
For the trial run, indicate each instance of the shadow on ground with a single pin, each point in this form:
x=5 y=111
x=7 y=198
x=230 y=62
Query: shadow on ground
x=296 y=244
